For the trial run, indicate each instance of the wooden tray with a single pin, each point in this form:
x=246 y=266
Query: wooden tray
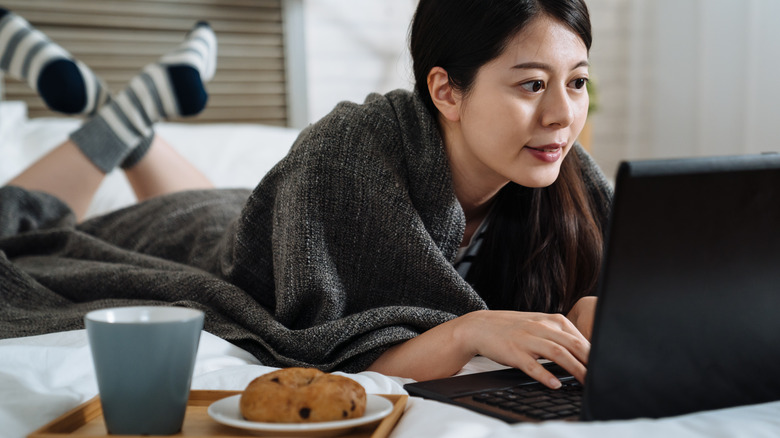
x=86 y=420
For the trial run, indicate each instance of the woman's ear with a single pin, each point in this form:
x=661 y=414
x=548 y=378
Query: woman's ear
x=446 y=99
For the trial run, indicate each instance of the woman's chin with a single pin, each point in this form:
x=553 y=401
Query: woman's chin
x=538 y=178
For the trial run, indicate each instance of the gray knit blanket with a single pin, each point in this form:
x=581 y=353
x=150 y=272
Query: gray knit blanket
x=344 y=249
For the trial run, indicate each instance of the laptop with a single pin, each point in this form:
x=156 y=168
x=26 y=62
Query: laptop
x=689 y=302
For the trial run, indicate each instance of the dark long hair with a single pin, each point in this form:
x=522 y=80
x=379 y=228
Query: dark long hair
x=543 y=248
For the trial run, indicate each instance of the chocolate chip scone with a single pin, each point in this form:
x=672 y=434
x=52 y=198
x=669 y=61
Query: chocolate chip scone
x=302 y=395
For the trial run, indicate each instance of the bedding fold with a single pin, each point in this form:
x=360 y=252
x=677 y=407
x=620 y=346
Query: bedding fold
x=51 y=276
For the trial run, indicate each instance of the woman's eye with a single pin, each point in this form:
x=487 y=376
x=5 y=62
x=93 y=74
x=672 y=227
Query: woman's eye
x=579 y=83
x=533 y=86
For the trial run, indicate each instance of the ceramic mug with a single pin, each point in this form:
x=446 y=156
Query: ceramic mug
x=144 y=358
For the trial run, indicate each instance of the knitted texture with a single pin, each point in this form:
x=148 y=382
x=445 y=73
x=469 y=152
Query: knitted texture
x=344 y=249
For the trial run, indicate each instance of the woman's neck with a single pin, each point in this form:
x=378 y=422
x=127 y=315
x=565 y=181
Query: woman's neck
x=474 y=185
x=475 y=199
x=474 y=219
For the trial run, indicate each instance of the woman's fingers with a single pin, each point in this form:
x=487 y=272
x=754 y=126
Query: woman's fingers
x=525 y=358
x=538 y=372
x=563 y=357
x=551 y=337
x=569 y=338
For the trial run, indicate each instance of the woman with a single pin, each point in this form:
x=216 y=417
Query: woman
x=389 y=230
x=507 y=125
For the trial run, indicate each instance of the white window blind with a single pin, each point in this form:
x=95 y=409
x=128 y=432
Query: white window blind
x=116 y=38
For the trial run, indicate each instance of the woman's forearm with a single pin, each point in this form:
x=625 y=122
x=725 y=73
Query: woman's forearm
x=439 y=352
x=515 y=339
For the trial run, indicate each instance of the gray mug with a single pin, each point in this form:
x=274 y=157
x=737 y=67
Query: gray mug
x=144 y=358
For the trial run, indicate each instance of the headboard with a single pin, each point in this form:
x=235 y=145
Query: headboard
x=116 y=38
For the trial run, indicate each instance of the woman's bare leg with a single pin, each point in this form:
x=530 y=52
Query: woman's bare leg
x=163 y=170
x=65 y=173
x=68 y=174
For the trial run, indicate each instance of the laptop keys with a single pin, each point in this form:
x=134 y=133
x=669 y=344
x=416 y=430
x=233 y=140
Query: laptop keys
x=536 y=401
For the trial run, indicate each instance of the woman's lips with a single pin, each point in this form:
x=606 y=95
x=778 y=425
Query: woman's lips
x=548 y=153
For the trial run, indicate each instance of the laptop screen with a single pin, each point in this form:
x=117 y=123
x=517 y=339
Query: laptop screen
x=690 y=289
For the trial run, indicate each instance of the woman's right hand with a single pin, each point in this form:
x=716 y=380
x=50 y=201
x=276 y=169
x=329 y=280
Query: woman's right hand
x=519 y=339
x=515 y=339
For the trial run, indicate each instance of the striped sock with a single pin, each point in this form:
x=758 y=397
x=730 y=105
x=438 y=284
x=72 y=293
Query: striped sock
x=66 y=85
x=171 y=87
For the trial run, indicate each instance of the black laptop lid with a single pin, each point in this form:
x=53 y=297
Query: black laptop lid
x=689 y=307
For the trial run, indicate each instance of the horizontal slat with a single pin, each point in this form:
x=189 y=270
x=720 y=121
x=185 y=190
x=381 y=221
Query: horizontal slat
x=160 y=37
x=270 y=75
x=115 y=73
x=49 y=4
x=234 y=116
x=135 y=63
x=119 y=80
x=249 y=88
x=236 y=112
x=241 y=100
x=120 y=77
x=145 y=22
x=156 y=50
x=225 y=3
x=74 y=11
x=245 y=113
x=254 y=91
x=219 y=101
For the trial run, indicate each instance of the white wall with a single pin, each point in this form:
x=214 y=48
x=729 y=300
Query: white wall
x=609 y=59
x=353 y=48
x=709 y=70
x=685 y=78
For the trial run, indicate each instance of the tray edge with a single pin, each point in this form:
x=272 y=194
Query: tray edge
x=90 y=409
x=386 y=426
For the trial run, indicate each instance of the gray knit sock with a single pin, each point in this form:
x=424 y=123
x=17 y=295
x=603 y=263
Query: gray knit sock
x=171 y=87
x=138 y=151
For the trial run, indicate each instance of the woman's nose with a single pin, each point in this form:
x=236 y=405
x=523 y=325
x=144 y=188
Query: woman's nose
x=557 y=108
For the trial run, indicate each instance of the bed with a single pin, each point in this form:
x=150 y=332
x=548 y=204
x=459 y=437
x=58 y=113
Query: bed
x=42 y=377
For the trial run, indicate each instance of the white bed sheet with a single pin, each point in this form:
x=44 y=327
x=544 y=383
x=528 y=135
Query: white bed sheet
x=41 y=377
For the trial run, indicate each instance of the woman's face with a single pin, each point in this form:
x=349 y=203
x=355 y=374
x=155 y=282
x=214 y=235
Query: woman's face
x=525 y=109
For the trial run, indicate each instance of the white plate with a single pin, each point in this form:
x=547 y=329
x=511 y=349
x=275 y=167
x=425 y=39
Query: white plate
x=227 y=411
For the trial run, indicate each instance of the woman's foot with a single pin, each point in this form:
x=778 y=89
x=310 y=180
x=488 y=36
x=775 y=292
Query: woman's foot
x=172 y=87
x=65 y=84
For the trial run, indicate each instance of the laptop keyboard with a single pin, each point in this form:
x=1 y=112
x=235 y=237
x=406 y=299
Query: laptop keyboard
x=535 y=400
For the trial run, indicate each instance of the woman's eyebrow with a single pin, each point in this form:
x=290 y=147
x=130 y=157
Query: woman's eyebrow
x=546 y=67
